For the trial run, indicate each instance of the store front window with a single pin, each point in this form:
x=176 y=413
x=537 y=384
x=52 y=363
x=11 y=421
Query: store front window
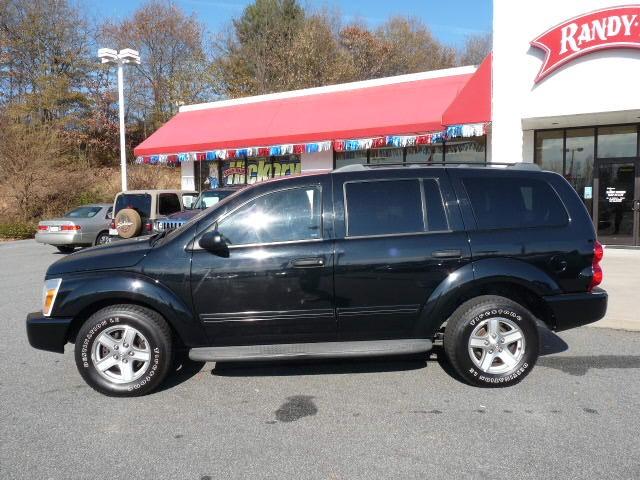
x=257 y=169
x=425 y=153
x=618 y=142
x=206 y=175
x=465 y=150
x=597 y=161
x=385 y=155
x=549 y=150
x=354 y=157
x=579 y=156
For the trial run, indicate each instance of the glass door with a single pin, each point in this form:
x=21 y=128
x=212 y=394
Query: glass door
x=617 y=210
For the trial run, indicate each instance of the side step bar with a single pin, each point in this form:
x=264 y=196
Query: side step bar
x=284 y=351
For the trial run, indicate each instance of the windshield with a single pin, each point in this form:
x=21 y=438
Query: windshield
x=140 y=202
x=83 y=212
x=210 y=198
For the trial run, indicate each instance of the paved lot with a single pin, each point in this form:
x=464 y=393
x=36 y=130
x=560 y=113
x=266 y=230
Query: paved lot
x=575 y=416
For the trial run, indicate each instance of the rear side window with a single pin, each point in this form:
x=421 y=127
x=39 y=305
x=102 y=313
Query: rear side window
x=168 y=203
x=383 y=207
x=512 y=202
x=140 y=202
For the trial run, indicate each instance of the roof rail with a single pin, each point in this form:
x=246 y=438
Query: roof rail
x=514 y=165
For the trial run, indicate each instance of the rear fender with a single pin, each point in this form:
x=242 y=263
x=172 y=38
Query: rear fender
x=458 y=285
x=83 y=293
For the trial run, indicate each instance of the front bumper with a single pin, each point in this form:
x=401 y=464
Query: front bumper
x=577 y=309
x=47 y=333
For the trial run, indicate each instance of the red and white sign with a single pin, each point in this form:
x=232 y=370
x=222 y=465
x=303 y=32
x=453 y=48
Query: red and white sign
x=615 y=27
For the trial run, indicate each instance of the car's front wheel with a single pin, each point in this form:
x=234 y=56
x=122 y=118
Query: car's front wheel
x=124 y=350
x=491 y=341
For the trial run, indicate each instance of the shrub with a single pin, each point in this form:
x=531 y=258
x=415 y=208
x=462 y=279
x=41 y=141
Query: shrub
x=17 y=230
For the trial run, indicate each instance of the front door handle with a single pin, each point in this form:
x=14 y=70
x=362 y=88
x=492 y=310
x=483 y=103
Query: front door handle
x=308 y=262
x=447 y=254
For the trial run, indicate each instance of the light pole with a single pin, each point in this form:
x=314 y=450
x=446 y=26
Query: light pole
x=126 y=55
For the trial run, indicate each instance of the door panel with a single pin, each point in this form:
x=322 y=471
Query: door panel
x=383 y=280
x=617 y=201
x=276 y=283
x=258 y=295
x=382 y=283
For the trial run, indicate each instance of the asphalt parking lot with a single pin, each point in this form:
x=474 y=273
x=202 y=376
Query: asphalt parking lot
x=575 y=416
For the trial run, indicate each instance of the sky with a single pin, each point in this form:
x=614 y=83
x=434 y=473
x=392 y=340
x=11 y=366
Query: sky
x=451 y=22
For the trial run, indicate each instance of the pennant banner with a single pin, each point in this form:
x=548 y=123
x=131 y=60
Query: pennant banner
x=452 y=131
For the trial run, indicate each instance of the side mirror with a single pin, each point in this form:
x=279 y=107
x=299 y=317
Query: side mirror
x=213 y=242
x=110 y=215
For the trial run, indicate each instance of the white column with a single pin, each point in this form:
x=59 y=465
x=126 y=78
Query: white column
x=123 y=153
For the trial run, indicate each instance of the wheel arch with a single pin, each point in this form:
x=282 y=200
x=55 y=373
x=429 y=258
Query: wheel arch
x=83 y=295
x=516 y=280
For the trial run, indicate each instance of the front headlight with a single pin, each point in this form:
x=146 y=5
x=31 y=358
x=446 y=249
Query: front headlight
x=49 y=293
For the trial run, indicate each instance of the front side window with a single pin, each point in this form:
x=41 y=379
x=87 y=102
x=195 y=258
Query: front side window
x=282 y=216
x=512 y=202
x=168 y=203
x=383 y=207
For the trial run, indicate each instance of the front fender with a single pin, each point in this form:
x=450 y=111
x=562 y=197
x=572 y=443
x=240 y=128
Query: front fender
x=475 y=275
x=81 y=292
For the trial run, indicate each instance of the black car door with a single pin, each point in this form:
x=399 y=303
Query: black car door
x=276 y=285
x=398 y=236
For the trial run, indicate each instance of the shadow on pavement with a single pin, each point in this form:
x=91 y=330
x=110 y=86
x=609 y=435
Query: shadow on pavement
x=183 y=369
x=579 y=366
x=318 y=367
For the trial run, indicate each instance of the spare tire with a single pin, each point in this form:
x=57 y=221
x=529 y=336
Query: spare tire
x=128 y=223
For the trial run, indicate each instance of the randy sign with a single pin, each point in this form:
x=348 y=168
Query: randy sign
x=616 y=27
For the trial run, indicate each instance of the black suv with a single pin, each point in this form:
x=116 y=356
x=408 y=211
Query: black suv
x=361 y=261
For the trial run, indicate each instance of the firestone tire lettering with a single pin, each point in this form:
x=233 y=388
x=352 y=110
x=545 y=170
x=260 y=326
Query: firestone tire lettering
x=462 y=323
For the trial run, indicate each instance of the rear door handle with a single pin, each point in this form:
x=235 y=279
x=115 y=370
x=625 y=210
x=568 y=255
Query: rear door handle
x=447 y=254
x=308 y=262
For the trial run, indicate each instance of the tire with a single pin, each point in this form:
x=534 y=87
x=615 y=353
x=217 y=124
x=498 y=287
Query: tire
x=66 y=248
x=102 y=238
x=128 y=370
x=128 y=223
x=496 y=364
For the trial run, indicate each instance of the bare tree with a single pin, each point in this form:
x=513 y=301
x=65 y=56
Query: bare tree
x=475 y=49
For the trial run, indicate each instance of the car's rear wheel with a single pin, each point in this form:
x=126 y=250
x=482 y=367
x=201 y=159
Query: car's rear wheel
x=102 y=238
x=491 y=341
x=66 y=248
x=124 y=350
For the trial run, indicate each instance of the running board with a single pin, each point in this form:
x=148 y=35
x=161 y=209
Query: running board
x=285 y=351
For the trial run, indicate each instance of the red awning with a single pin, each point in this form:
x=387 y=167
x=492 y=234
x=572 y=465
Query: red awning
x=473 y=103
x=399 y=108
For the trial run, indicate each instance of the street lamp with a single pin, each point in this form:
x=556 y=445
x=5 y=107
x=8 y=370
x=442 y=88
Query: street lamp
x=126 y=55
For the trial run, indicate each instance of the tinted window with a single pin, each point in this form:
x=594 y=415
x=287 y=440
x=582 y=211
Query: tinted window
x=168 y=203
x=511 y=202
x=383 y=207
x=140 y=202
x=287 y=215
x=436 y=217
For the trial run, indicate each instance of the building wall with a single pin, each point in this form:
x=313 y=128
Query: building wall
x=596 y=89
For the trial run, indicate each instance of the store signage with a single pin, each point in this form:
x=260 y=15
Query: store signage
x=615 y=196
x=616 y=27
